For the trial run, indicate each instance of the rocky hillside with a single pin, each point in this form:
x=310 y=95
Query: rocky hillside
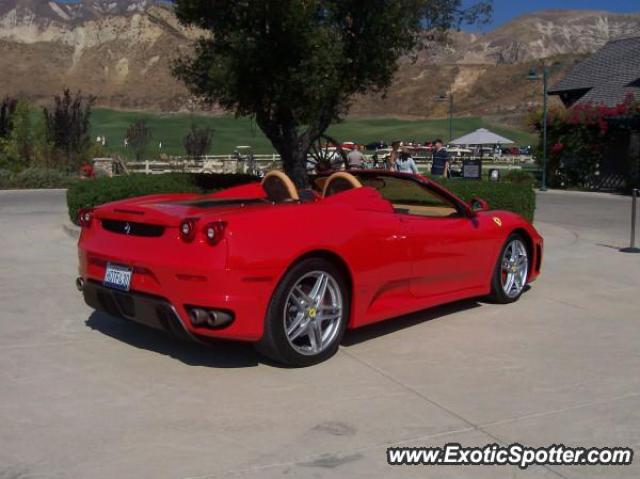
x=121 y=51
x=45 y=11
x=487 y=73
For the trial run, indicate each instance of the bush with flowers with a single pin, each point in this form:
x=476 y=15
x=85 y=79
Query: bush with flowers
x=577 y=140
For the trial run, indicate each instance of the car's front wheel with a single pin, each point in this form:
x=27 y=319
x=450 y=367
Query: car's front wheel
x=511 y=271
x=307 y=315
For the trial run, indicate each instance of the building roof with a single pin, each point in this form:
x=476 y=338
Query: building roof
x=605 y=78
x=481 y=136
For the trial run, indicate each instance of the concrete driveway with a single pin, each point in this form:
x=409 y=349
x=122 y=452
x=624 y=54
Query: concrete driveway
x=83 y=395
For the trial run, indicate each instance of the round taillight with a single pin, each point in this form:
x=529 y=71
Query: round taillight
x=85 y=216
x=188 y=230
x=214 y=232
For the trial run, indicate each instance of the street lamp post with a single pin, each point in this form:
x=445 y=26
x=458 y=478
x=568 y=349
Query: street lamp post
x=444 y=97
x=450 y=116
x=545 y=113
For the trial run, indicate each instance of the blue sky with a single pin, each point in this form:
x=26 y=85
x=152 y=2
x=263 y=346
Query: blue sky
x=505 y=10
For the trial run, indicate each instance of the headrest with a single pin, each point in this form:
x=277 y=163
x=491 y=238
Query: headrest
x=339 y=182
x=279 y=187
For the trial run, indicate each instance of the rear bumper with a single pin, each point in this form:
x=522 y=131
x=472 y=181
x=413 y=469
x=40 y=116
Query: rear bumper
x=180 y=279
x=152 y=311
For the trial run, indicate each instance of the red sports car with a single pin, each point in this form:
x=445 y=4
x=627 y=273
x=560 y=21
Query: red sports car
x=290 y=270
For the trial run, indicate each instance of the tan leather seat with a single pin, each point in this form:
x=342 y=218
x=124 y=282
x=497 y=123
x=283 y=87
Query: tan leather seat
x=279 y=187
x=339 y=182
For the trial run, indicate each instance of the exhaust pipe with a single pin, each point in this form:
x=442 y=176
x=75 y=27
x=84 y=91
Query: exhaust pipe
x=79 y=284
x=219 y=319
x=199 y=317
x=210 y=318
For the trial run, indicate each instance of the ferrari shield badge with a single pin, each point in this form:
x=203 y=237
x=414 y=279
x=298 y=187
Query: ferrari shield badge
x=497 y=221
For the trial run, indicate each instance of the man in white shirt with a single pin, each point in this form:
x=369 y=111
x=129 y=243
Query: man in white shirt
x=355 y=158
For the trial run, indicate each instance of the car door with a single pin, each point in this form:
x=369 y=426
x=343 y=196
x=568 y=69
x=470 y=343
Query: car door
x=447 y=248
x=447 y=254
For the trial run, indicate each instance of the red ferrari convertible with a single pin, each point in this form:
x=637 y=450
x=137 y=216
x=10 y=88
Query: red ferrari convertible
x=290 y=270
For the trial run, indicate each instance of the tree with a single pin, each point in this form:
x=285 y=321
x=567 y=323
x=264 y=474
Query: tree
x=7 y=108
x=197 y=142
x=138 y=137
x=17 y=147
x=22 y=133
x=295 y=64
x=68 y=125
x=7 y=158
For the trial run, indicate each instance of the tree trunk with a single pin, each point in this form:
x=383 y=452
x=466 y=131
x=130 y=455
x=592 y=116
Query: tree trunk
x=293 y=147
x=294 y=163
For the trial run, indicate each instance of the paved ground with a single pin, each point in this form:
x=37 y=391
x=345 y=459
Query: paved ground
x=83 y=395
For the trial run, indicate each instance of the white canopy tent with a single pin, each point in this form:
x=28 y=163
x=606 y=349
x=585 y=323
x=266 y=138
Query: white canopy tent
x=481 y=136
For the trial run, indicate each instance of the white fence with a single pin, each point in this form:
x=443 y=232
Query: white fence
x=206 y=164
x=263 y=163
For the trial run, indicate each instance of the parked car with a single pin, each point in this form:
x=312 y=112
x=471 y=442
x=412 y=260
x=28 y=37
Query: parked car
x=291 y=270
x=376 y=145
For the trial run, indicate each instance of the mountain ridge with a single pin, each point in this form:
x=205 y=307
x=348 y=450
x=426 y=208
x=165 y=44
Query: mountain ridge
x=121 y=51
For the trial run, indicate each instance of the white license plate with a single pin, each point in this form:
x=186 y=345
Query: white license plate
x=117 y=277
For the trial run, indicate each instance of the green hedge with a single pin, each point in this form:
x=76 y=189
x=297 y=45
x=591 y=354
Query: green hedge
x=35 y=178
x=94 y=192
x=516 y=196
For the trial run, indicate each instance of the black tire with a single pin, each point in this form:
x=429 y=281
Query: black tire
x=498 y=294
x=274 y=343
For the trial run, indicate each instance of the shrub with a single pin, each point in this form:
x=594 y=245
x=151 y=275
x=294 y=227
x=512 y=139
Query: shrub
x=138 y=136
x=513 y=196
x=94 y=192
x=35 y=178
x=67 y=126
x=42 y=178
x=5 y=178
x=518 y=197
x=197 y=142
x=519 y=176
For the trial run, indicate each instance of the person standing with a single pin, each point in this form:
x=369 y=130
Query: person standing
x=405 y=163
x=440 y=165
x=355 y=158
x=393 y=156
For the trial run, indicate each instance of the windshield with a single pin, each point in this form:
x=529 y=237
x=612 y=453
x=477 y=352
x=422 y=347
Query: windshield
x=410 y=197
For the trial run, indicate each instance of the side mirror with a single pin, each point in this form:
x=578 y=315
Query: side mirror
x=478 y=204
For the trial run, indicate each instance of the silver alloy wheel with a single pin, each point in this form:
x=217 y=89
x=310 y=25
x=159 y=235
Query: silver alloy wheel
x=313 y=313
x=514 y=268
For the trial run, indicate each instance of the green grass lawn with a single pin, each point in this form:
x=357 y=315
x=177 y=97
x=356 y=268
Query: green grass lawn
x=230 y=132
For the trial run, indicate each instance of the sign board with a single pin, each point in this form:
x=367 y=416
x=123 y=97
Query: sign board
x=472 y=169
x=103 y=167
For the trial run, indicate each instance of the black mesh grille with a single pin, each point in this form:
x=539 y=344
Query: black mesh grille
x=133 y=229
x=215 y=202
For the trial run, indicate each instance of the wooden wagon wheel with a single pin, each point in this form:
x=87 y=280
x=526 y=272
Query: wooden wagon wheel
x=322 y=158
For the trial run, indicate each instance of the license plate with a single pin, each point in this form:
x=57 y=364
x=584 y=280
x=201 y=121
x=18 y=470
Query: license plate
x=117 y=277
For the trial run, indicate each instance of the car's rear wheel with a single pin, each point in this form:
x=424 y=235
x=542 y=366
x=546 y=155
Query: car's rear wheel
x=511 y=271
x=307 y=315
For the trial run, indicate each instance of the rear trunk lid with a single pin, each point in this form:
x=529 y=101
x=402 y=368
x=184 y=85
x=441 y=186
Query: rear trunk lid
x=150 y=215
